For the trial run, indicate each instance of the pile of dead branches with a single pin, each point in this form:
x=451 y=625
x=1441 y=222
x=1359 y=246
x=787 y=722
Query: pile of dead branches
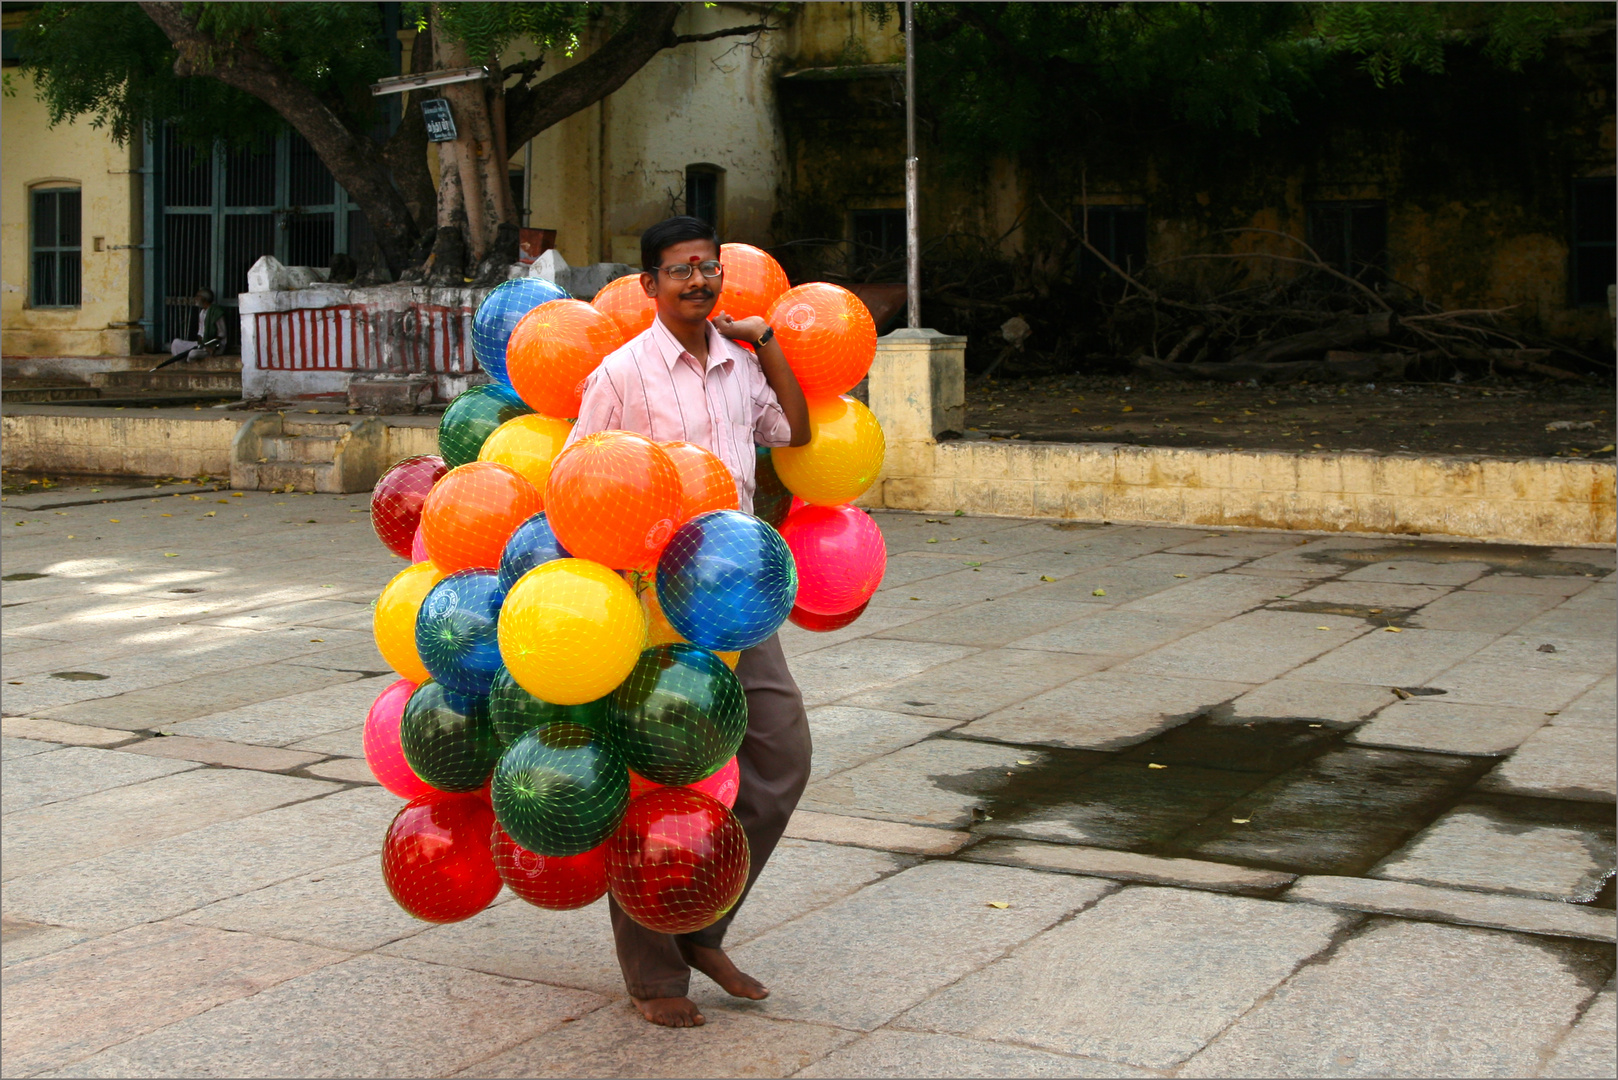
x=1234 y=322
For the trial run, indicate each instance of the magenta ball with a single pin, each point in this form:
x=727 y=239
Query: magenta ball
x=840 y=557
x=381 y=740
x=418 y=548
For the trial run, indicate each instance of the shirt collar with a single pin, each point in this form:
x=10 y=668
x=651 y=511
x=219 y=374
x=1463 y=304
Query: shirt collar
x=720 y=348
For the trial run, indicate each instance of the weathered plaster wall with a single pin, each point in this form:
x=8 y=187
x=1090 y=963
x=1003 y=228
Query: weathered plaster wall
x=68 y=155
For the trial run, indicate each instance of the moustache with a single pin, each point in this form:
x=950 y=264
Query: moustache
x=697 y=294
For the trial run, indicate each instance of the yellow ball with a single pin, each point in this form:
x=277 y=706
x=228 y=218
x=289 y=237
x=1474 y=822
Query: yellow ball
x=571 y=631
x=843 y=458
x=527 y=444
x=394 y=622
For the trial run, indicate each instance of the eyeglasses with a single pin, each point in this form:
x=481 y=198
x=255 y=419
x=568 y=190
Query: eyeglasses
x=711 y=268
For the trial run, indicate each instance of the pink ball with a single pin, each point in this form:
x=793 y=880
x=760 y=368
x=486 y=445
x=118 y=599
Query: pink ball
x=840 y=557
x=724 y=784
x=418 y=548
x=382 y=750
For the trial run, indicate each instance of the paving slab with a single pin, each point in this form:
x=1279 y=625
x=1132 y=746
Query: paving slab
x=616 y=1041
x=72 y=771
x=1220 y=596
x=1145 y=977
x=57 y=834
x=796 y=641
x=349 y=742
x=21 y=748
x=962 y=585
x=1588 y=1049
x=804 y=875
x=63 y=734
x=22 y=939
x=978 y=684
x=1409 y=658
x=171 y=876
x=1578 y=617
x=347 y=770
x=345 y=907
x=368 y=1016
x=1409 y=999
x=939 y=782
x=1105 y=711
x=290 y=719
x=1506 y=582
x=201 y=696
x=992 y=623
x=1482 y=612
x=1450 y=727
x=1121 y=583
x=1243 y=545
x=917 y=1053
x=1597 y=706
x=1128 y=866
x=829 y=674
x=1339 y=813
x=920 y=930
x=1464 y=906
x=66 y=1006
x=878 y=835
x=1411 y=568
x=1560 y=761
x=1523 y=847
x=1110 y=632
x=1251 y=648
x=1295 y=698
x=906 y=567
x=231 y=755
x=845 y=736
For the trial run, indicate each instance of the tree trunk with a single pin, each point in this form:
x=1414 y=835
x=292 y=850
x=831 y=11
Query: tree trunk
x=485 y=191
x=1343 y=335
x=355 y=161
x=406 y=151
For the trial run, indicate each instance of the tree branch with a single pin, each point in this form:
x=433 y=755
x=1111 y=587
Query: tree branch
x=729 y=31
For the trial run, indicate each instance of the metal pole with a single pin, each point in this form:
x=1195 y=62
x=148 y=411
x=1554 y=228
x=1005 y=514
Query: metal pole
x=912 y=228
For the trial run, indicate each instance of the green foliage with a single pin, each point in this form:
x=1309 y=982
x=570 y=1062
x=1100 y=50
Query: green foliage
x=1388 y=37
x=109 y=62
x=487 y=28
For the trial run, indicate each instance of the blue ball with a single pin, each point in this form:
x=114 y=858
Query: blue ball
x=532 y=544
x=726 y=581
x=499 y=314
x=456 y=631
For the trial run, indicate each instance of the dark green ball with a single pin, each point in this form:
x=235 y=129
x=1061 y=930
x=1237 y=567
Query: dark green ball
x=472 y=418
x=561 y=789
x=679 y=715
x=448 y=738
x=515 y=710
x=771 y=499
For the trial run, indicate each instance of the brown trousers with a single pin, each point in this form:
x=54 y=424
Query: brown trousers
x=774 y=763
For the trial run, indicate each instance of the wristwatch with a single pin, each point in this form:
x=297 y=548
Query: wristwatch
x=764 y=338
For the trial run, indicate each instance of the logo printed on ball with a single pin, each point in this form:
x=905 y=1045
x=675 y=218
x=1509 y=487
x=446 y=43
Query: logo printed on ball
x=658 y=534
x=800 y=317
x=442 y=601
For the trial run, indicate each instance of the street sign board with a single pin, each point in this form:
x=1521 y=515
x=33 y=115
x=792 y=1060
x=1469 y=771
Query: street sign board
x=440 y=124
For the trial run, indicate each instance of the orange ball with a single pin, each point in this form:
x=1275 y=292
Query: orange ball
x=753 y=281
x=626 y=303
x=614 y=498
x=705 y=481
x=472 y=511
x=552 y=351
x=827 y=335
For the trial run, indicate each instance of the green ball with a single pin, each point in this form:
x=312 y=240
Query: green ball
x=679 y=715
x=771 y=499
x=561 y=789
x=472 y=418
x=448 y=738
x=515 y=710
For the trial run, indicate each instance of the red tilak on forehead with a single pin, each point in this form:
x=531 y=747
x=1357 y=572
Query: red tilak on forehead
x=696 y=258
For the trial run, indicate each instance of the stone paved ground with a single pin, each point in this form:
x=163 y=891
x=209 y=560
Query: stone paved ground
x=1087 y=801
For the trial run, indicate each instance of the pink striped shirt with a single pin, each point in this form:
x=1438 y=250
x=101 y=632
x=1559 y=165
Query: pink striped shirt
x=653 y=386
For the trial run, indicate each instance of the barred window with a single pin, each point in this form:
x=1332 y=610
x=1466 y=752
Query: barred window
x=55 y=280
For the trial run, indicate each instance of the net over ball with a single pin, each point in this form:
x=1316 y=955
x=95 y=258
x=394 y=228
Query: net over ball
x=515 y=711
x=705 y=482
x=381 y=743
x=554 y=882
x=448 y=738
x=499 y=314
x=533 y=544
x=472 y=417
x=840 y=556
x=613 y=498
x=570 y=631
x=679 y=716
x=678 y=861
x=455 y=631
x=561 y=789
x=528 y=444
x=726 y=581
x=553 y=350
x=472 y=512
x=626 y=304
x=827 y=335
x=397 y=499
x=753 y=281
x=436 y=859
x=842 y=459
x=394 y=620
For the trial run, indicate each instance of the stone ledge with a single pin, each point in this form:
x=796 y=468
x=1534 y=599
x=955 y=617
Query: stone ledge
x=1128 y=866
x=59 y=731
x=871 y=833
x=229 y=754
x=1522 y=914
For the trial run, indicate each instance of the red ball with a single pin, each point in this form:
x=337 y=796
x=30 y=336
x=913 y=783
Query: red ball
x=678 y=861
x=824 y=624
x=614 y=498
x=436 y=859
x=557 y=882
x=397 y=499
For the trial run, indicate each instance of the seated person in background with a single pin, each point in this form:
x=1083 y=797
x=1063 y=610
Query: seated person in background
x=210 y=332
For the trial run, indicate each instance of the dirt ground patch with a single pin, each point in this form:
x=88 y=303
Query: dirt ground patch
x=1501 y=418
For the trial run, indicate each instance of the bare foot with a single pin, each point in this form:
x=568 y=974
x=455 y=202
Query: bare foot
x=717 y=966
x=675 y=1012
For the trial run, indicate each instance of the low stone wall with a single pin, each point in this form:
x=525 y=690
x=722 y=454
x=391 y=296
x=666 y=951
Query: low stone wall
x=107 y=443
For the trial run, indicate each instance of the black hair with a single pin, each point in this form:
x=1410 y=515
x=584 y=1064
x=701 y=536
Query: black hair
x=206 y=294
x=665 y=234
